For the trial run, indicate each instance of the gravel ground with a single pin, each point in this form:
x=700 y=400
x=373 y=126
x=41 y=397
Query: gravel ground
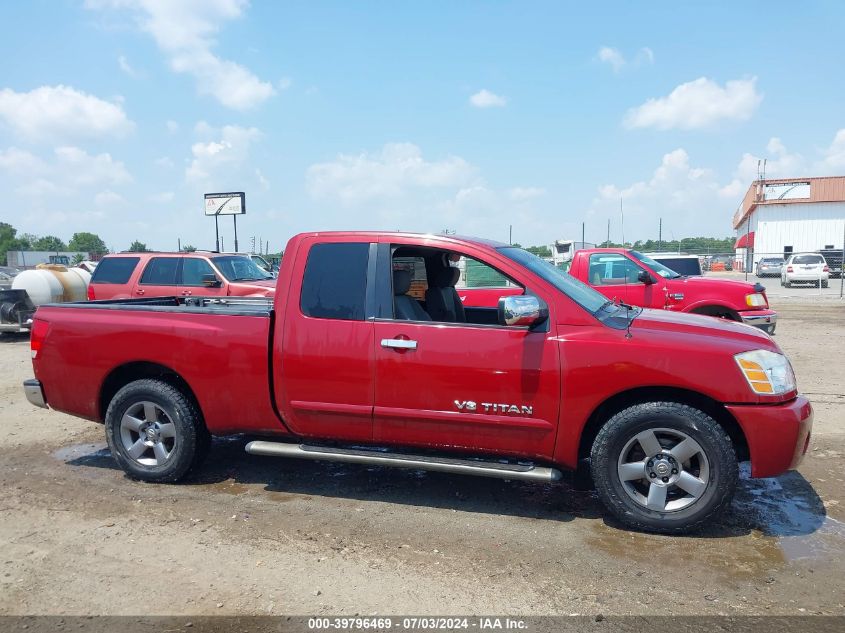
x=251 y=535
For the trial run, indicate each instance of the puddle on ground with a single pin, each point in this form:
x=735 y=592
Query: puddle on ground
x=83 y=454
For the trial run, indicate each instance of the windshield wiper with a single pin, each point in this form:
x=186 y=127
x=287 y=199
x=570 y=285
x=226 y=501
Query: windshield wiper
x=248 y=279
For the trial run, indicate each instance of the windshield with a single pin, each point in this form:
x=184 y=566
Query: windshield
x=657 y=267
x=579 y=292
x=239 y=268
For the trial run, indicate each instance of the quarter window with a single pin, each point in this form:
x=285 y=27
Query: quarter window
x=335 y=282
x=114 y=270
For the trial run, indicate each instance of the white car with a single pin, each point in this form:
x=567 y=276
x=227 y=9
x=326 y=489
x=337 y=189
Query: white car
x=806 y=268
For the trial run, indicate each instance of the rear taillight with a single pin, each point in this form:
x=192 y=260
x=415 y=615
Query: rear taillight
x=38 y=333
x=91 y=292
x=788 y=269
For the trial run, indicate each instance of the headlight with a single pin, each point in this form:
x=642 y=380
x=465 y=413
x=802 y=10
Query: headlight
x=767 y=373
x=756 y=300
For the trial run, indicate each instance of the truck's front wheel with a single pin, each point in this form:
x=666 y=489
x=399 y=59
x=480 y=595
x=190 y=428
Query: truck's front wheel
x=664 y=467
x=155 y=432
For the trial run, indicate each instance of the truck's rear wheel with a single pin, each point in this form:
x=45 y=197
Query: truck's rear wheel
x=155 y=432
x=664 y=467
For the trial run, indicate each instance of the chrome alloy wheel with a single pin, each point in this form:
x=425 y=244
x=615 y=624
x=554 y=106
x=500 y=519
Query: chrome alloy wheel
x=147 y=433
x=663 y=470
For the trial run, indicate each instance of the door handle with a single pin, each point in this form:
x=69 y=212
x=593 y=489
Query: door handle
x=398 y=343
x=139 y=292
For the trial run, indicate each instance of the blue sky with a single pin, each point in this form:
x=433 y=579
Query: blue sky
x=117 y=115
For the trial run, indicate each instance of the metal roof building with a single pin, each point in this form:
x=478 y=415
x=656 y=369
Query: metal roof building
x=778 y=217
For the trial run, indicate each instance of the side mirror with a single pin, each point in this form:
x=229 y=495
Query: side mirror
x=522 y=310
x=645 y=277
x=211 y=281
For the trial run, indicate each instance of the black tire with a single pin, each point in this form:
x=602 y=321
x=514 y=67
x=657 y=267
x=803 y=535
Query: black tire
x=787 y=284
x=620 y=431
x=188 y=439
x=824 y=284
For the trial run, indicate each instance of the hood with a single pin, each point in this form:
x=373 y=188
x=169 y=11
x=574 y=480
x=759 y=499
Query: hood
x=736 y=335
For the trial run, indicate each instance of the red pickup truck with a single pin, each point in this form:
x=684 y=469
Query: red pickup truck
x=636 y=279
x=366 y=354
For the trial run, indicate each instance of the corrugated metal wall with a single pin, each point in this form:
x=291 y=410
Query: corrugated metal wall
x=807 y=227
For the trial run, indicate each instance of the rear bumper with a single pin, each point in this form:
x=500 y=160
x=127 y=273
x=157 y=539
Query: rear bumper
x=766 y=320
x=778 y=435
x=34 y=393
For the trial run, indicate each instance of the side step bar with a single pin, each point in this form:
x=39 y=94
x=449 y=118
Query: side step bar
x=479 y=467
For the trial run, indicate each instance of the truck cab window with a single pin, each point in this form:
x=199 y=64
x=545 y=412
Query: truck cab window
x=335 y=282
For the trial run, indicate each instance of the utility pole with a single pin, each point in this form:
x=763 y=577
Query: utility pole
x=582 y=234
x=607 y=243
x=842 y=265
x=179 y=242
x=510 y=234
x=659 y=235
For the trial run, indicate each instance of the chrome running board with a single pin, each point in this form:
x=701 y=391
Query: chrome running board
x=478 y=467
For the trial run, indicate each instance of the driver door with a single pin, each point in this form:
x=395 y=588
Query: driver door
x=463 y=385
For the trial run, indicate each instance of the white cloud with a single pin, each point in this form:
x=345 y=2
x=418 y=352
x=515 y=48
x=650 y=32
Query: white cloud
x=185 y=32
x=487 y=99
x=54 y=113
x=17 y=161
x=834 y=156
x=526 y=193
x=685 y=196
x=80 y=167
x=265 y=184
x=164 y=162
x=615 y=58
x=172 y=126
x=127 y=68
x=698 y=104
x=108 y=198
x=284 y=83
x=230 y=149
x=390 y=173
x=779 y=163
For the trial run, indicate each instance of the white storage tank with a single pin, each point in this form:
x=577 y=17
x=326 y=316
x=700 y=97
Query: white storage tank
x=50 y=283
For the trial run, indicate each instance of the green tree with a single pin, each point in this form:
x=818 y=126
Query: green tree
x=88 y=243
x=9 y=240
x=189 y=249
x=138 y=247
x=78 y=259
x=48 y=243
x=540 y=251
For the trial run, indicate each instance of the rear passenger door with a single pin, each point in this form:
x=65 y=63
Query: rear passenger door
x=194 y=269
x=159 y=278
x=323 y=355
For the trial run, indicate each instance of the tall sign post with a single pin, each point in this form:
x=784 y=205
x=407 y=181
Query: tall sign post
x=230 y=203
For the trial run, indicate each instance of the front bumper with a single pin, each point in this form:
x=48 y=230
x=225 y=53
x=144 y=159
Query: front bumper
x=34 y=392
x=778 y=435
x=766 y=320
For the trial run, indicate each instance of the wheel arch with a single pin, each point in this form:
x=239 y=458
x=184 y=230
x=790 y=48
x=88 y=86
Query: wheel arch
x=124 y=374
x=717 y=310
x=641 y=395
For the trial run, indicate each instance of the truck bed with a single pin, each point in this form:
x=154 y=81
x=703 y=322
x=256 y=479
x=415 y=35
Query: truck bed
x=220 y=348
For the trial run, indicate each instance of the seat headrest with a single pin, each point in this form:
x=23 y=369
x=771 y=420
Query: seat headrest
x=401 y=282
x=445 y=277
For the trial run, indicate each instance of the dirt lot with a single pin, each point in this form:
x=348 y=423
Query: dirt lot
x=254 y=535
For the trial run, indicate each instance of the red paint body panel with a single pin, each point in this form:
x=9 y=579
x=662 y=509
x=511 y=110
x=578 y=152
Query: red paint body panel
x=222 y=358
x=777 y=435
x=332 y=379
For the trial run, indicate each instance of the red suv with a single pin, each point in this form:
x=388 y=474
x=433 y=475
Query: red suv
x=132 y=275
